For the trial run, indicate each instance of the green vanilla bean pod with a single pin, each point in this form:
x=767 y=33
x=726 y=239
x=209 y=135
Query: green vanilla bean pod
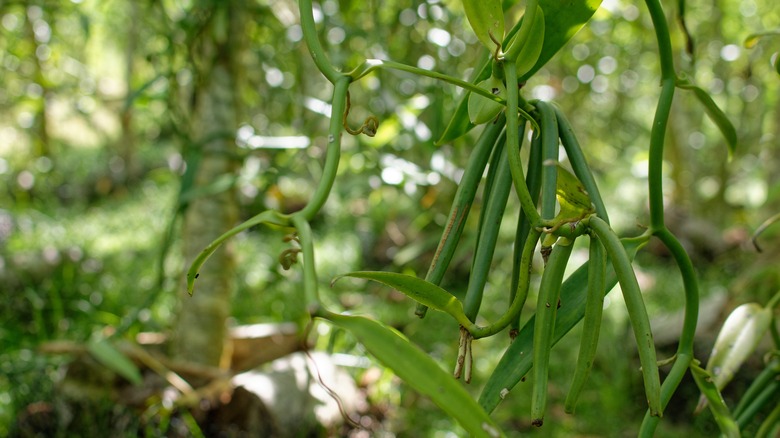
x=546 y=309
x=591 y=325
x=768 y=374
x=461 y=205
x=578 y=162
x=767 y=394
x=513 y=313
x=488 y=234
x=418 y=370
x=549 y=133
x=492 y=171
x=517 y=360
x=637 y=312
x=534 y=182
x=771 y=425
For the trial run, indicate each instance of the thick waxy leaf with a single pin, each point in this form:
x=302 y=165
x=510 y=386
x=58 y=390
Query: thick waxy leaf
x=482 y=109
x=717 y=116
x=532 y=48
x=419 y=290
x=486 y=18
x=419 y=371
x=105 y=353
x=563 y=19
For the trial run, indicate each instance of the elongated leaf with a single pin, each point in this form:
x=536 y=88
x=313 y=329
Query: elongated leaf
x=419 y=371
x=728 y=427
x=518 y=358
x=530 y=52
x=563 y=18
x=486 y=18
x=105 y=353
x=481 y=109
x=718 y=116
x=417 y=289
x=266 y=217
x=460 y=124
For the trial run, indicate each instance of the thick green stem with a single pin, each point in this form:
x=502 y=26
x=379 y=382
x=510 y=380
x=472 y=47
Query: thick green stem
x=656 y=159
x=664 y=39
x=313 y=43
x=310 y=288
x=672 y=381
x=691 y=289
x=513 y=148
x=338 y=106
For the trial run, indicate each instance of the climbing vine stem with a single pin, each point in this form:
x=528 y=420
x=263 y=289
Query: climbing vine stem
x=338 y=106
x=313 y=42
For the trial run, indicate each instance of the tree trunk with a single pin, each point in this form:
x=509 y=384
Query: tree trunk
x=200 y=331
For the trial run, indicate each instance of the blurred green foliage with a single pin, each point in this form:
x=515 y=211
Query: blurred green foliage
x=94 y=104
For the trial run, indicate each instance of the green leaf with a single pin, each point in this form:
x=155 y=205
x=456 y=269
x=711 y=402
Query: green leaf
x=563 y=19
x=419 y=371
x=104 y=352
x=716 y=115
x=459 y=123
x=417 y=289
x=482 y=109
x=720 y=411
x=266 y=217
x=486 y=18
x=532 y=48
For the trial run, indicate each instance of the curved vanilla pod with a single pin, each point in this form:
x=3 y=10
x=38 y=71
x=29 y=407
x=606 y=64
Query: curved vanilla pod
x=494 y=207
x=546 y=309
x=637 y=312
x=513 y=313
x=533 y=180
x=591 y=325
x=578 y=162
x=461 y=205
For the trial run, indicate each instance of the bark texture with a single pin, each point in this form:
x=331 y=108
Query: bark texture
x=200 y=331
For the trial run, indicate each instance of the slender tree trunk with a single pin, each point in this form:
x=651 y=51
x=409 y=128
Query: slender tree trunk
x=199 y=333
x=127 y=140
